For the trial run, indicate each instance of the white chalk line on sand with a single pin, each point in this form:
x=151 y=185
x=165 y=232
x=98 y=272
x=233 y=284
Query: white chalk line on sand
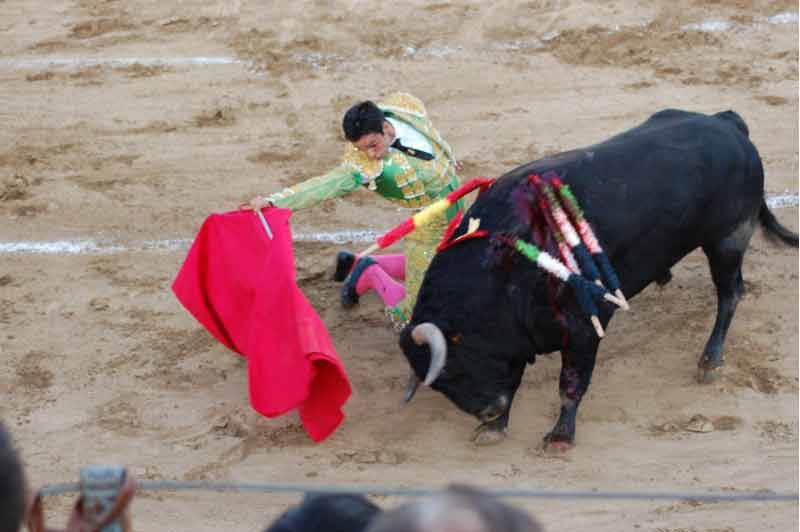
x=713 y=26
x=317 y=59
x=100 y=247
x=783 y=200
x=23 y=63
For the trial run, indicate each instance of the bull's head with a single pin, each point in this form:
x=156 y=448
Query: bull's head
x=481 y=315
x=455 y=384
x=467 y=338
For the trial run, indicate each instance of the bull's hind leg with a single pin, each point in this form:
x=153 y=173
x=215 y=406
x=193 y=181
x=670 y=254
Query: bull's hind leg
x=725 y=260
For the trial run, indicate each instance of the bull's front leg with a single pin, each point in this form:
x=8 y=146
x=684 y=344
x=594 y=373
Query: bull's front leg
x=577 y=364
x=495 y=431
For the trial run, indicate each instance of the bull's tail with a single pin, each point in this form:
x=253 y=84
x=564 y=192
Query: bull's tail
x=773 y=228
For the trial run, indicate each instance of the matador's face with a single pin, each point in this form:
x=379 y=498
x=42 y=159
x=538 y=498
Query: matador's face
x=376 y=145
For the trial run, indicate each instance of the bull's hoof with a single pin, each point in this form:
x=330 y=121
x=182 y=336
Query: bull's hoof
x=485 y=436
x=557 y=446
x=708 y=375
x=558 y=442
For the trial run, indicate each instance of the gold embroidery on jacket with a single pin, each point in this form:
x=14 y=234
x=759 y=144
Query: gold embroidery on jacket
x=359 y=161
x=404 y=103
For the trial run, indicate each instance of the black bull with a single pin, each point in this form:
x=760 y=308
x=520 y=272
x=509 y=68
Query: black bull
x=653 y=194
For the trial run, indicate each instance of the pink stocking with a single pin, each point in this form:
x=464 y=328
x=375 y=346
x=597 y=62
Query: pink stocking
x=390 y=291
x=394 y=265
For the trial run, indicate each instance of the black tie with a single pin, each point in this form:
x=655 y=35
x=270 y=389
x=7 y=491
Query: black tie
x=419 y=154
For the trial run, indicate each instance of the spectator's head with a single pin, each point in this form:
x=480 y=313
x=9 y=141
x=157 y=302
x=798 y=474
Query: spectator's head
x=457 y=509
x=327 y=513
x=12 y=485
x=366 y=127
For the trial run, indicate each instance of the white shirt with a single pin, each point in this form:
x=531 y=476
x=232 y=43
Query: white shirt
x=410 y=137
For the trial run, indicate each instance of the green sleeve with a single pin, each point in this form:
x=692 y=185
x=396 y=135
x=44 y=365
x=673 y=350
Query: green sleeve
x=337 y=182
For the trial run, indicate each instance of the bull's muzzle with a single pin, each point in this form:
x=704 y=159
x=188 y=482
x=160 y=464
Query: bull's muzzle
x=494 y=410
x=430 y=335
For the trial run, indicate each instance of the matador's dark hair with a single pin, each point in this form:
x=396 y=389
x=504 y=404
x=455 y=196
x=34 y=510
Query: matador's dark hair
x=362 y=119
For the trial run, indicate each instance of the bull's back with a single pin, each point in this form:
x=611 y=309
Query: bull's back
x=658 y=191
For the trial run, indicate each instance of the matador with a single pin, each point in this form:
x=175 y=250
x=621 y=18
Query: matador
x=393 y=150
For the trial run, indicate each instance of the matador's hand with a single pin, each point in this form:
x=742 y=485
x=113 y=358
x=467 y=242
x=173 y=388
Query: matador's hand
x=256 y=203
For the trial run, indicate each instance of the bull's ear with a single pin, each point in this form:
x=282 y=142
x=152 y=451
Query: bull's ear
x=521 y=230
x=499 y=255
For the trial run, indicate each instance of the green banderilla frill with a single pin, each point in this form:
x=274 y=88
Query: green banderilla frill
x=585 y=292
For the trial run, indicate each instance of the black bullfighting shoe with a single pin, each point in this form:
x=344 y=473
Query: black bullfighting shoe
x=349 y=294
x=344 y=262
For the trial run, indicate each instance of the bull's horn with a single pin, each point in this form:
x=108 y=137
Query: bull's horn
x=428 y=333
x=411 y=389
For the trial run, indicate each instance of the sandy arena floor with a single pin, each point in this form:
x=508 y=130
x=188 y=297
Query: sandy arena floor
x=126 y=123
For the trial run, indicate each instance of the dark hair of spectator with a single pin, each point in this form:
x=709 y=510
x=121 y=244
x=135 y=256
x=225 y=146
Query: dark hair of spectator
x=12 y=485
x=362 y=119
x=327 y=513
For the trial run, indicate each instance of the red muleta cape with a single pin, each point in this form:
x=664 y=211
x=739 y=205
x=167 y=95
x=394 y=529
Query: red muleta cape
x=241 y=286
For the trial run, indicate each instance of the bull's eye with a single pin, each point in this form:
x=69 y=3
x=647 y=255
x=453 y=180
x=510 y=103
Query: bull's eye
x=456 y=338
